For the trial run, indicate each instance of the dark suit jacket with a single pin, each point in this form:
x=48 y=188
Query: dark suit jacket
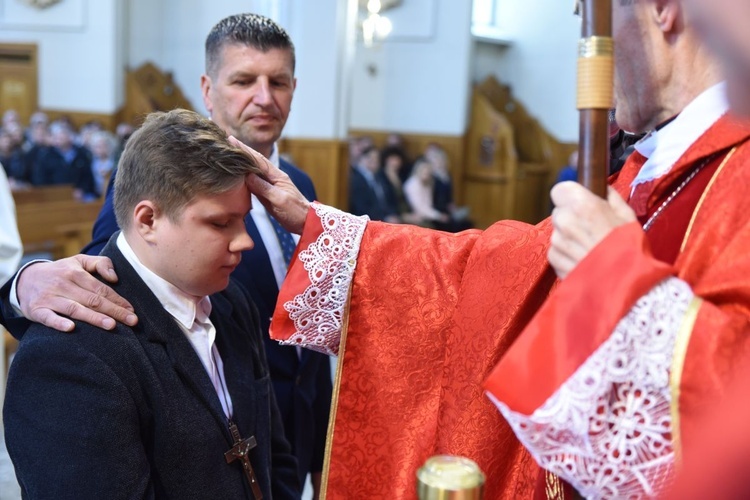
x=133 y=414
x=364 y=201
x=51 y=169
x=302 y=385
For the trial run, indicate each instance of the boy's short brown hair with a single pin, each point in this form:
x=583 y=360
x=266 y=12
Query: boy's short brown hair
x=173 y=158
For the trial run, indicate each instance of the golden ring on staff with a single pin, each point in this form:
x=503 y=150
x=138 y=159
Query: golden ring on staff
x=596 y=70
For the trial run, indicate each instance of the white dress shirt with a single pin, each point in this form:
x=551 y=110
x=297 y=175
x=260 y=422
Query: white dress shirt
x=191 y=314
x=676 y=137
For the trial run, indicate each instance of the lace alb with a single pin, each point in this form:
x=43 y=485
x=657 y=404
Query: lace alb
x=608 y=429
x=330 y=261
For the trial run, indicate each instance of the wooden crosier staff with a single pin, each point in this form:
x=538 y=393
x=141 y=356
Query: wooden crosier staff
x=595 y=92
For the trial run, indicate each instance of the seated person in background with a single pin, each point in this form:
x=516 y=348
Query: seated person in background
x=37 y=144
x=394 y=143
x=87 y=131
x=122 y=134
x=10 y=242
x=65 y=163
x=392 y=164
x=175 y=406
x=357 y=145
x=367 y=189
x=442 y=198
x=102 y=146
x=570 y=171
x=12 y=158
x=419 y=193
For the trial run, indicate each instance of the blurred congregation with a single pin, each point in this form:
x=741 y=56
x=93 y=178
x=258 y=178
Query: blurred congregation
x=52 y=153
x=387 y=185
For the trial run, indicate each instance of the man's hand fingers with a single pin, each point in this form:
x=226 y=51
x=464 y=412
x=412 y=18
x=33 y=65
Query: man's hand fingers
x=100 y=265
x=560 y=262
x=48 y=318
x=258 y=186
x=268 y=170
x=94 y=294
x=49 y=290
x=620 y=206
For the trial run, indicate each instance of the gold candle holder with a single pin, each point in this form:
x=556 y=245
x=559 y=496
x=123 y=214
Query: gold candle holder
x=447 y=477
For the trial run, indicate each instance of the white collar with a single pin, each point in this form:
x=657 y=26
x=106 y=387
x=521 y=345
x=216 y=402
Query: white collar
x=665 y=146
x=274 y=158
x=182 y=306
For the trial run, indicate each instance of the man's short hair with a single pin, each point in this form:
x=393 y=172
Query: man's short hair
x=172 y=159
x=253 y=30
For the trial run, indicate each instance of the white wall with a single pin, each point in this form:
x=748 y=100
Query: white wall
x=316 y=29
x=145 y=32
x=417 y=85
x=540 y=66
x=80 y=67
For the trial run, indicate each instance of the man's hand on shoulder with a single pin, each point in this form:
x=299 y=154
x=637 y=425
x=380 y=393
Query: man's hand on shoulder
x=47 y=291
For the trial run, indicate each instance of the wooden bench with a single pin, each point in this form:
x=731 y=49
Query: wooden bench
x=42 y=194
x=56 y=226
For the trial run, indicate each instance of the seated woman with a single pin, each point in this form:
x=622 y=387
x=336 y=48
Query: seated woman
x=442 y=198
x=392 y=164
x=419 y=192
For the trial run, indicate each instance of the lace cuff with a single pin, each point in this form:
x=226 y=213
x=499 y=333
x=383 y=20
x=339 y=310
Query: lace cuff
x=317 y=312
x=608 y=429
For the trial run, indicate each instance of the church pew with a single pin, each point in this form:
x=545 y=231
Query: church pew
x=42 y=226
x=42 y=194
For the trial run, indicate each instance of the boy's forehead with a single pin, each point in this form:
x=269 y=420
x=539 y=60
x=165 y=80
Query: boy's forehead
x=234 y=201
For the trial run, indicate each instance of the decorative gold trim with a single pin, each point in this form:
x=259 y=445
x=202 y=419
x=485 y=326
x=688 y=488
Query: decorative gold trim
x=335 y=398
x=678 y=364
x=704 y=195
x=596 y=46
x=553 y=487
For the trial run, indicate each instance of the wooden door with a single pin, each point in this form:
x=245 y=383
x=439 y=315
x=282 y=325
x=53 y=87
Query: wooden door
x=19 y=79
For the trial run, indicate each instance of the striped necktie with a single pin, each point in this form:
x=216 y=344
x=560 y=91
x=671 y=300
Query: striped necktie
x=285 y=239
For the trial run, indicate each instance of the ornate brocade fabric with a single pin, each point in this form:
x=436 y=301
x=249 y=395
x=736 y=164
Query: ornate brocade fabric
x=429 y=316
x=709 y=340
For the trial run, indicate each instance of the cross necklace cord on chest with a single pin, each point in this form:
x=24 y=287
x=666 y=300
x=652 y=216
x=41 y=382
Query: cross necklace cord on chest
x=678 y=189
x=241 y=448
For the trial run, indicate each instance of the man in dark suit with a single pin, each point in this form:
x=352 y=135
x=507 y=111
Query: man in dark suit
x=247 y=89
x=368 y=194
x=180 y=405
x=65 y=163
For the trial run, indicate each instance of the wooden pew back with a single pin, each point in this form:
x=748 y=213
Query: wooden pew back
x=43 y=194
x=46 y=226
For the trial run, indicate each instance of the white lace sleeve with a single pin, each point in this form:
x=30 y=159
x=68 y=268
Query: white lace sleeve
x=608 y=429
x=330 y=262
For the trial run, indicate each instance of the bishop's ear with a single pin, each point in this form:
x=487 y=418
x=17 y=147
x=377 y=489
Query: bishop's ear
x=668 y=15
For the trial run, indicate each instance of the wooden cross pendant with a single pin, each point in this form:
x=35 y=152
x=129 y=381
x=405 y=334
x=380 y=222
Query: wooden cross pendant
x=241 y=451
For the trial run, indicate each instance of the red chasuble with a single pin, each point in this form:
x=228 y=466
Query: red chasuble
x=419 y=320
x=630 y=360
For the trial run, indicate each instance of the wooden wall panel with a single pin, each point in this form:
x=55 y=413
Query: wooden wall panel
x=80 y=118
x=19 y=79
x=321 y=160
x=489 y=201
x=531 y=193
